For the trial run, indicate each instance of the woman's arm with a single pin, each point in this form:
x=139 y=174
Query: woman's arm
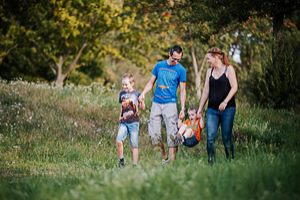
x=147 y=88
x=234 y=87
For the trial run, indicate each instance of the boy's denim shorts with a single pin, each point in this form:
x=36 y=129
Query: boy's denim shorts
x=131 y=129
x=190 y=142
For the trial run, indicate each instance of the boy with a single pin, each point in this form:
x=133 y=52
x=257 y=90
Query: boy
x=189 y=133
x=129 y=119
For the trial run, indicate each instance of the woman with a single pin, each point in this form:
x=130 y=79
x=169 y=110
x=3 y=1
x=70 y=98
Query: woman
x=219 y=89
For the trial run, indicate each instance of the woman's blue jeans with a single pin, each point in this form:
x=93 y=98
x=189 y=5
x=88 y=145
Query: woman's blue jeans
x=213 y=119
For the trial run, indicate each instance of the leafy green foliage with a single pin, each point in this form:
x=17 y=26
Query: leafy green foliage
x=57 y=29
x=41 y=40
x=278 y=84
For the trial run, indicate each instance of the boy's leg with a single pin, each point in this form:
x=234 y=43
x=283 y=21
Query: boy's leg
x=182 y=129
x=120 y=149
x=122 y=134
x=188 y=133
x=178 y=137
x=133 y=129
x=135 y=155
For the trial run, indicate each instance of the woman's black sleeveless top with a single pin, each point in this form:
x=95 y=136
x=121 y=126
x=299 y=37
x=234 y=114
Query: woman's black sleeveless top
x=218 y=91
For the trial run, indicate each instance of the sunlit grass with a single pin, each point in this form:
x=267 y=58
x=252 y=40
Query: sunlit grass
x=59 y=144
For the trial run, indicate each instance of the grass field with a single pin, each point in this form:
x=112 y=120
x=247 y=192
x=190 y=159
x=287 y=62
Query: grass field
x=59 y=144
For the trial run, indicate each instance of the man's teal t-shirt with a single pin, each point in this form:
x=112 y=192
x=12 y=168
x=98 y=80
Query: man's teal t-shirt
x=168 y=78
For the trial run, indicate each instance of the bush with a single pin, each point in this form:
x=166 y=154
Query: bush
x=278 y=84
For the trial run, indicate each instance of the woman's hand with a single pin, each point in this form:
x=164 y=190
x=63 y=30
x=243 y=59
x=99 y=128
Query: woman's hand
x=222 y=106
x=199 y=114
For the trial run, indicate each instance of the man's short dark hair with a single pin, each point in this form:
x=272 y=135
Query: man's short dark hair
x=176 y=48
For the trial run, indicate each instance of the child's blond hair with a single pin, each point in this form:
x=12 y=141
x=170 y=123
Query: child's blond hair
x=193 y=107
x=130 y=77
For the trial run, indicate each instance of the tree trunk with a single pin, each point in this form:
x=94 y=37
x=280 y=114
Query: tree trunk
x=60 y=76
x=59 y=81
x=197 y=72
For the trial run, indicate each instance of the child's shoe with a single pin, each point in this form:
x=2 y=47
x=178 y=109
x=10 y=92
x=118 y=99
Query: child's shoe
x=179 y=138
x=122 y=163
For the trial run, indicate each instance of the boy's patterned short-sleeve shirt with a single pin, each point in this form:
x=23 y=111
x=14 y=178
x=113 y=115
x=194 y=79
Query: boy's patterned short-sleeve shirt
x=129 y=103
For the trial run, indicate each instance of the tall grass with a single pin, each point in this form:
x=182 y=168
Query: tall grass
x=59 y=144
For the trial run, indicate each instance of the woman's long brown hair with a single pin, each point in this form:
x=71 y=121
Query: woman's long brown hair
x=215 y=51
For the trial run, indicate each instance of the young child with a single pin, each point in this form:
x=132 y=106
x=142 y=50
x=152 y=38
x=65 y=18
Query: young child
x=189 y=133
x=129 y=119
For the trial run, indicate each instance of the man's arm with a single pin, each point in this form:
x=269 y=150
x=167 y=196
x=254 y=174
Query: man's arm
x=182 y=99
x=147 y=88
x=141 y=105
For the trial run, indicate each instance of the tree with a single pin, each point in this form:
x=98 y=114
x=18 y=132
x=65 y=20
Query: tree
x=72 y=29
x=226 y=16
x=62 y=32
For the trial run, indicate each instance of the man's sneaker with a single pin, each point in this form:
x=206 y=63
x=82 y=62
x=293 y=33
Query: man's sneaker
x=165 y=161
x=122 y=163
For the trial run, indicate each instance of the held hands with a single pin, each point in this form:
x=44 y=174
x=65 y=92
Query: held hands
x=202 y=121
x=141 y=101
x=199 y=114
x=142 y=105
x=222 y=106
x=141 y=97
x=181 y=114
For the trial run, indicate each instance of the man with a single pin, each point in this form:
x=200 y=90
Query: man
x=168 y=75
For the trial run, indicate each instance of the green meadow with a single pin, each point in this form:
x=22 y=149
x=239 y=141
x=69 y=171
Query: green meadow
x=59 y=144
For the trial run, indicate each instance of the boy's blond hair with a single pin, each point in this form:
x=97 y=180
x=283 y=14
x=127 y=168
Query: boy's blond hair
x=193 y=108
x=130 y=77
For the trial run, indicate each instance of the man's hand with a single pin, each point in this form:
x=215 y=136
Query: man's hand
x=141 y=97
x=142 y=104
x=181 y=114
